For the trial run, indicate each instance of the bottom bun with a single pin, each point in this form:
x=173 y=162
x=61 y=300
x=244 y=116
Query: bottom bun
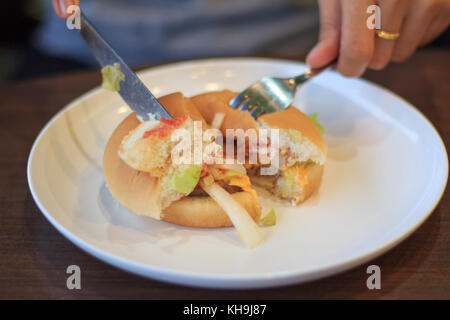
x=139 y=192
x=314 y=173
x=204 y=212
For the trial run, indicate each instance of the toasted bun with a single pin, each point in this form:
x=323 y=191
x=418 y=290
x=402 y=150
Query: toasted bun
x=139 y=192
x=135 y=190
x=203 y=212
x=210 y=103
x=178 y=105
x=292 y=118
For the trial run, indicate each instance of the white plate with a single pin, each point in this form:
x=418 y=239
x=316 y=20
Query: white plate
x=386 y=171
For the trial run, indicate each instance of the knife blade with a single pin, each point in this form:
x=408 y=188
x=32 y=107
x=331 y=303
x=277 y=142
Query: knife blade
x=132 y=90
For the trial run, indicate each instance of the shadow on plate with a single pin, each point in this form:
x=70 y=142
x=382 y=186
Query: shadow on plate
x=348 y=125
x=144 y=229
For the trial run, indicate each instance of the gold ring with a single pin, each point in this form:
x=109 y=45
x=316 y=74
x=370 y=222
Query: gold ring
x=387 y=35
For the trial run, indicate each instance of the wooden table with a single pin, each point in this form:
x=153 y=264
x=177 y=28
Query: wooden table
x=34 y=256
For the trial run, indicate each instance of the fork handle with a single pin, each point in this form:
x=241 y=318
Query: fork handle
x=311 y=73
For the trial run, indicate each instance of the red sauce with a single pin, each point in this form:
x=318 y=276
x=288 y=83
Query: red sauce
x=204 y=171
x=165 y=127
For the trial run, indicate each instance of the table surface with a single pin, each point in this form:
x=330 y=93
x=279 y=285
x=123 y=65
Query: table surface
x=34 y=256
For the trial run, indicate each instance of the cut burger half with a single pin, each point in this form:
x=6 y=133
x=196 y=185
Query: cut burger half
x=302 y=152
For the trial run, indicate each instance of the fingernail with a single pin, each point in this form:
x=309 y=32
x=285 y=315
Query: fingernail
x=61 y=6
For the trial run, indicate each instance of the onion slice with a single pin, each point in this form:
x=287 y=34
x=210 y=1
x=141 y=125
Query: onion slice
x=239 y=168
x=217 y=120
x=247 y=228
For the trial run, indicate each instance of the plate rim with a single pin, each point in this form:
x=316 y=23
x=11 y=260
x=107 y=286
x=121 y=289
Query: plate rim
x=228 y=281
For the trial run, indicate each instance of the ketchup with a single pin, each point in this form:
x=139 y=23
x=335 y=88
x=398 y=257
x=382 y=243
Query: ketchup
x=164 y=127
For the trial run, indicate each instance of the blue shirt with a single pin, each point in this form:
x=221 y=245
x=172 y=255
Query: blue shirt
x=150 y=31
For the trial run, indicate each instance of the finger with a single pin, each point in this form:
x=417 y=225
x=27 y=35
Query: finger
x=392 y=16
x=328 y=47
x=60 y=7
x=439 y=25
x=357 y=40
x=417 y=21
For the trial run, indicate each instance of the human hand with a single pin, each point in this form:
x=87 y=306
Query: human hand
x=344 y=33
x=60 y=7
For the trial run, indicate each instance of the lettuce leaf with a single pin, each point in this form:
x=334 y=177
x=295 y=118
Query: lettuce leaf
x=185 y=181
x=112 y=76
x=269 y=219
x=313 y=117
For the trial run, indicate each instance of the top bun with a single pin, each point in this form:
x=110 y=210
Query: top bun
x=292 y=118
x=177 y=105
x=135 y=190
x=297 y=131
x=210 y=103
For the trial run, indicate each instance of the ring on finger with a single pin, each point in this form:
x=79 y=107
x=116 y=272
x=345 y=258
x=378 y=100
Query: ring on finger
x=387 y=35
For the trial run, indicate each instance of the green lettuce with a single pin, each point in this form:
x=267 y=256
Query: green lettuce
x=111 y=77
x=313 y=117
x=269 y=219
x=185 y=181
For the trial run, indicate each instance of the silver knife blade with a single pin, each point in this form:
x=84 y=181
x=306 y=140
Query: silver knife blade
x=132 y=90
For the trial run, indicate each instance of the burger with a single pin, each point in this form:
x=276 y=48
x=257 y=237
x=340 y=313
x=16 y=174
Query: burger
x=141 y=173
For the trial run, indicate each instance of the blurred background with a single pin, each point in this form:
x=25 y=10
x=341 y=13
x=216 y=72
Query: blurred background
x=35 y=42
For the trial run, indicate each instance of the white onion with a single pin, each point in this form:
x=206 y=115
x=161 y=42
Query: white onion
x=239 y=168
x=217 y=120
x=247 y=228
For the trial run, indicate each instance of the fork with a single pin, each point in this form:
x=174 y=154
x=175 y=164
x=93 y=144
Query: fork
x=272 y=94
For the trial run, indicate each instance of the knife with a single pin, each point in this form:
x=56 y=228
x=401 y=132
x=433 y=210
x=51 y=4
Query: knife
x=132 y=90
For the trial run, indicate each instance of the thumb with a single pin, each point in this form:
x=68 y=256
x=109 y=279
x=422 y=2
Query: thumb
x=327 y=49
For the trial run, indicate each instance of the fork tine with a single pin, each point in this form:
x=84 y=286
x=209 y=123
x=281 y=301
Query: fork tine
x=236 y=101
x=257 y=112
x=249 y=105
